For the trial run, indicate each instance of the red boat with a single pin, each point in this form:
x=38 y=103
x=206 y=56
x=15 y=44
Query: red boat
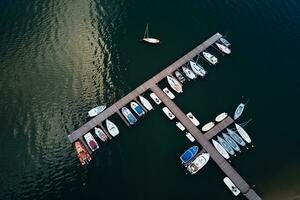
x=82 y=153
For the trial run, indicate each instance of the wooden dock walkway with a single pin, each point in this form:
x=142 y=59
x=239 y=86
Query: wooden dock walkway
x=214 y=154
x=77 y=134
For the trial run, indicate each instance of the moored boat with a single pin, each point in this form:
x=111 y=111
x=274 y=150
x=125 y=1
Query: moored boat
x=189 y=154
x=231 y=142
x=225 y=42
x=239 y=110
x=83 y=155
x=128 y=115
x=243 y=133
x=175 y=85
x=225 y=145
x=221 y=117
x=137 y=108
x=155 y=98
x=169 y=93
x=198 y=163
x=112 y=128
x=220 y=149
x=231 y=186
x=169 y=114
x=180 y=77
x=208 y=126
x=96 y=111
x=198 y=69
x=210 y=58
x=223 y=48
x=180 y=126
x=101 y=135
x=193 y=119
x=147 y=39
x=189 y=136
x=236 y=137
x=90 y=140
x=146 y=103
x=189 y=73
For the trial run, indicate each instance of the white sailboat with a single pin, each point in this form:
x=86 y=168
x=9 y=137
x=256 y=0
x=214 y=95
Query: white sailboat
x=189 y=73
x=243 y=133
x=175 y=85
x=198 y=69
x=112 y=128
x=146 y=103
x=211 y=58
x=220 y=149
x=147 y=39
x=223 y=48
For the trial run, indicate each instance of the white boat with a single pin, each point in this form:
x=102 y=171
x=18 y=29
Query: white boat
x=239 y=110
x=231 y=186
x=175 y=85
x=137 y=108
x=220 y=149
x=169 y=93
x=180 y=126
x=193 y=119
x=155 y=98
x=189 y=136
x=180 y=77
x=198 y=69
x=221 y=117
x=101 y=135
x=225 y=42
x=208 y=126
x=145 y=103
x=147 y=39
x=198 y=163
x=112 y=128
x=223 y=48
x=96 y=111
x=188 y=73
x=90 y=140
x=243 y=133
x=211 y=58
x=128 y=115
x=169 y=114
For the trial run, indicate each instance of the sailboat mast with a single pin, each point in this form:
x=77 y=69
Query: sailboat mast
x=146 y=34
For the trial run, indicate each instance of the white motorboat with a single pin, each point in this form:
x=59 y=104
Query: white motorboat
x=221 y=117
x=225 y=145
x=180 y=126
x=210 y=58
x=155 y=98
x=169 y=114
x=147 y=39
x=175 y=85
x=208 y=126
x=231 y=186
x=193 y=119
x=180 y=77
x=189 y=136
x=96 y=111
x=112 y=128
x=239 y=110
x=220 y=149
x=169 y=93
x=189 y=73
x=243 y=133
x=198 y=69
x=198 y=163
x=101 y=135
x=90 y=140
x=223 y=48
x=137 y=108
x=225 y=42
x=145 y=103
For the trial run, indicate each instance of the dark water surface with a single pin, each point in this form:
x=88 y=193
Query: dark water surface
x=60 y=58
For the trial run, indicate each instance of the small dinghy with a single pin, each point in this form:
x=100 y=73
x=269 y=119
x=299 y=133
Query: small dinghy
x=128 y=115
x=188 y=73
x=198 y=69
x=101 y=135
x=243 y=133
x=112 y=128
x=180 y=126
x=180 y=77
x=145 y=103
x=155 y=98
x=225 y=42
x=137 y=108
x=193 y=119
x=189 y=154
x=189 y=136
x=225 y=145
x=239 y=110
x=169 y=114
x=210 y=58
x=221 y=117
x=231 y=186
x=96 y=111
x=223 y=48
x=198 y=163
x=90 y=140
x=175 y=85
x=147 y=39
x=208 y=126
x=83 y=155
x=231 y=142
x=220 y=149
x=169 y=93
x=236 y=137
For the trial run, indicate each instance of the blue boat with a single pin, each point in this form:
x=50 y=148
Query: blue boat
x=137 y=109
x=189 y=154
x=231 y=142
x=226 y=146
x=129 y=116
x=236 y=137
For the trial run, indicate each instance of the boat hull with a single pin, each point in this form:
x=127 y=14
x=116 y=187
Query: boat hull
x=220 y=149
x=236 y=137
x=101 y=135
x=189 y=73
x=112 y=128
x=231 y=186
x=225 y=145
x=146 y=103
x=169 y=93
x=128 y=115
x=169 y=114
x=175 y=85
x=198 y=163
x=82 y=153
x=137 y=108
x=238 y=111
x=243 y=133
x=151 y=40
x=221 y=117
x=198 y=69
x=91 y=142
x=189 y=154
x=96 y=111
x=155 y=98
x=231 y=142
